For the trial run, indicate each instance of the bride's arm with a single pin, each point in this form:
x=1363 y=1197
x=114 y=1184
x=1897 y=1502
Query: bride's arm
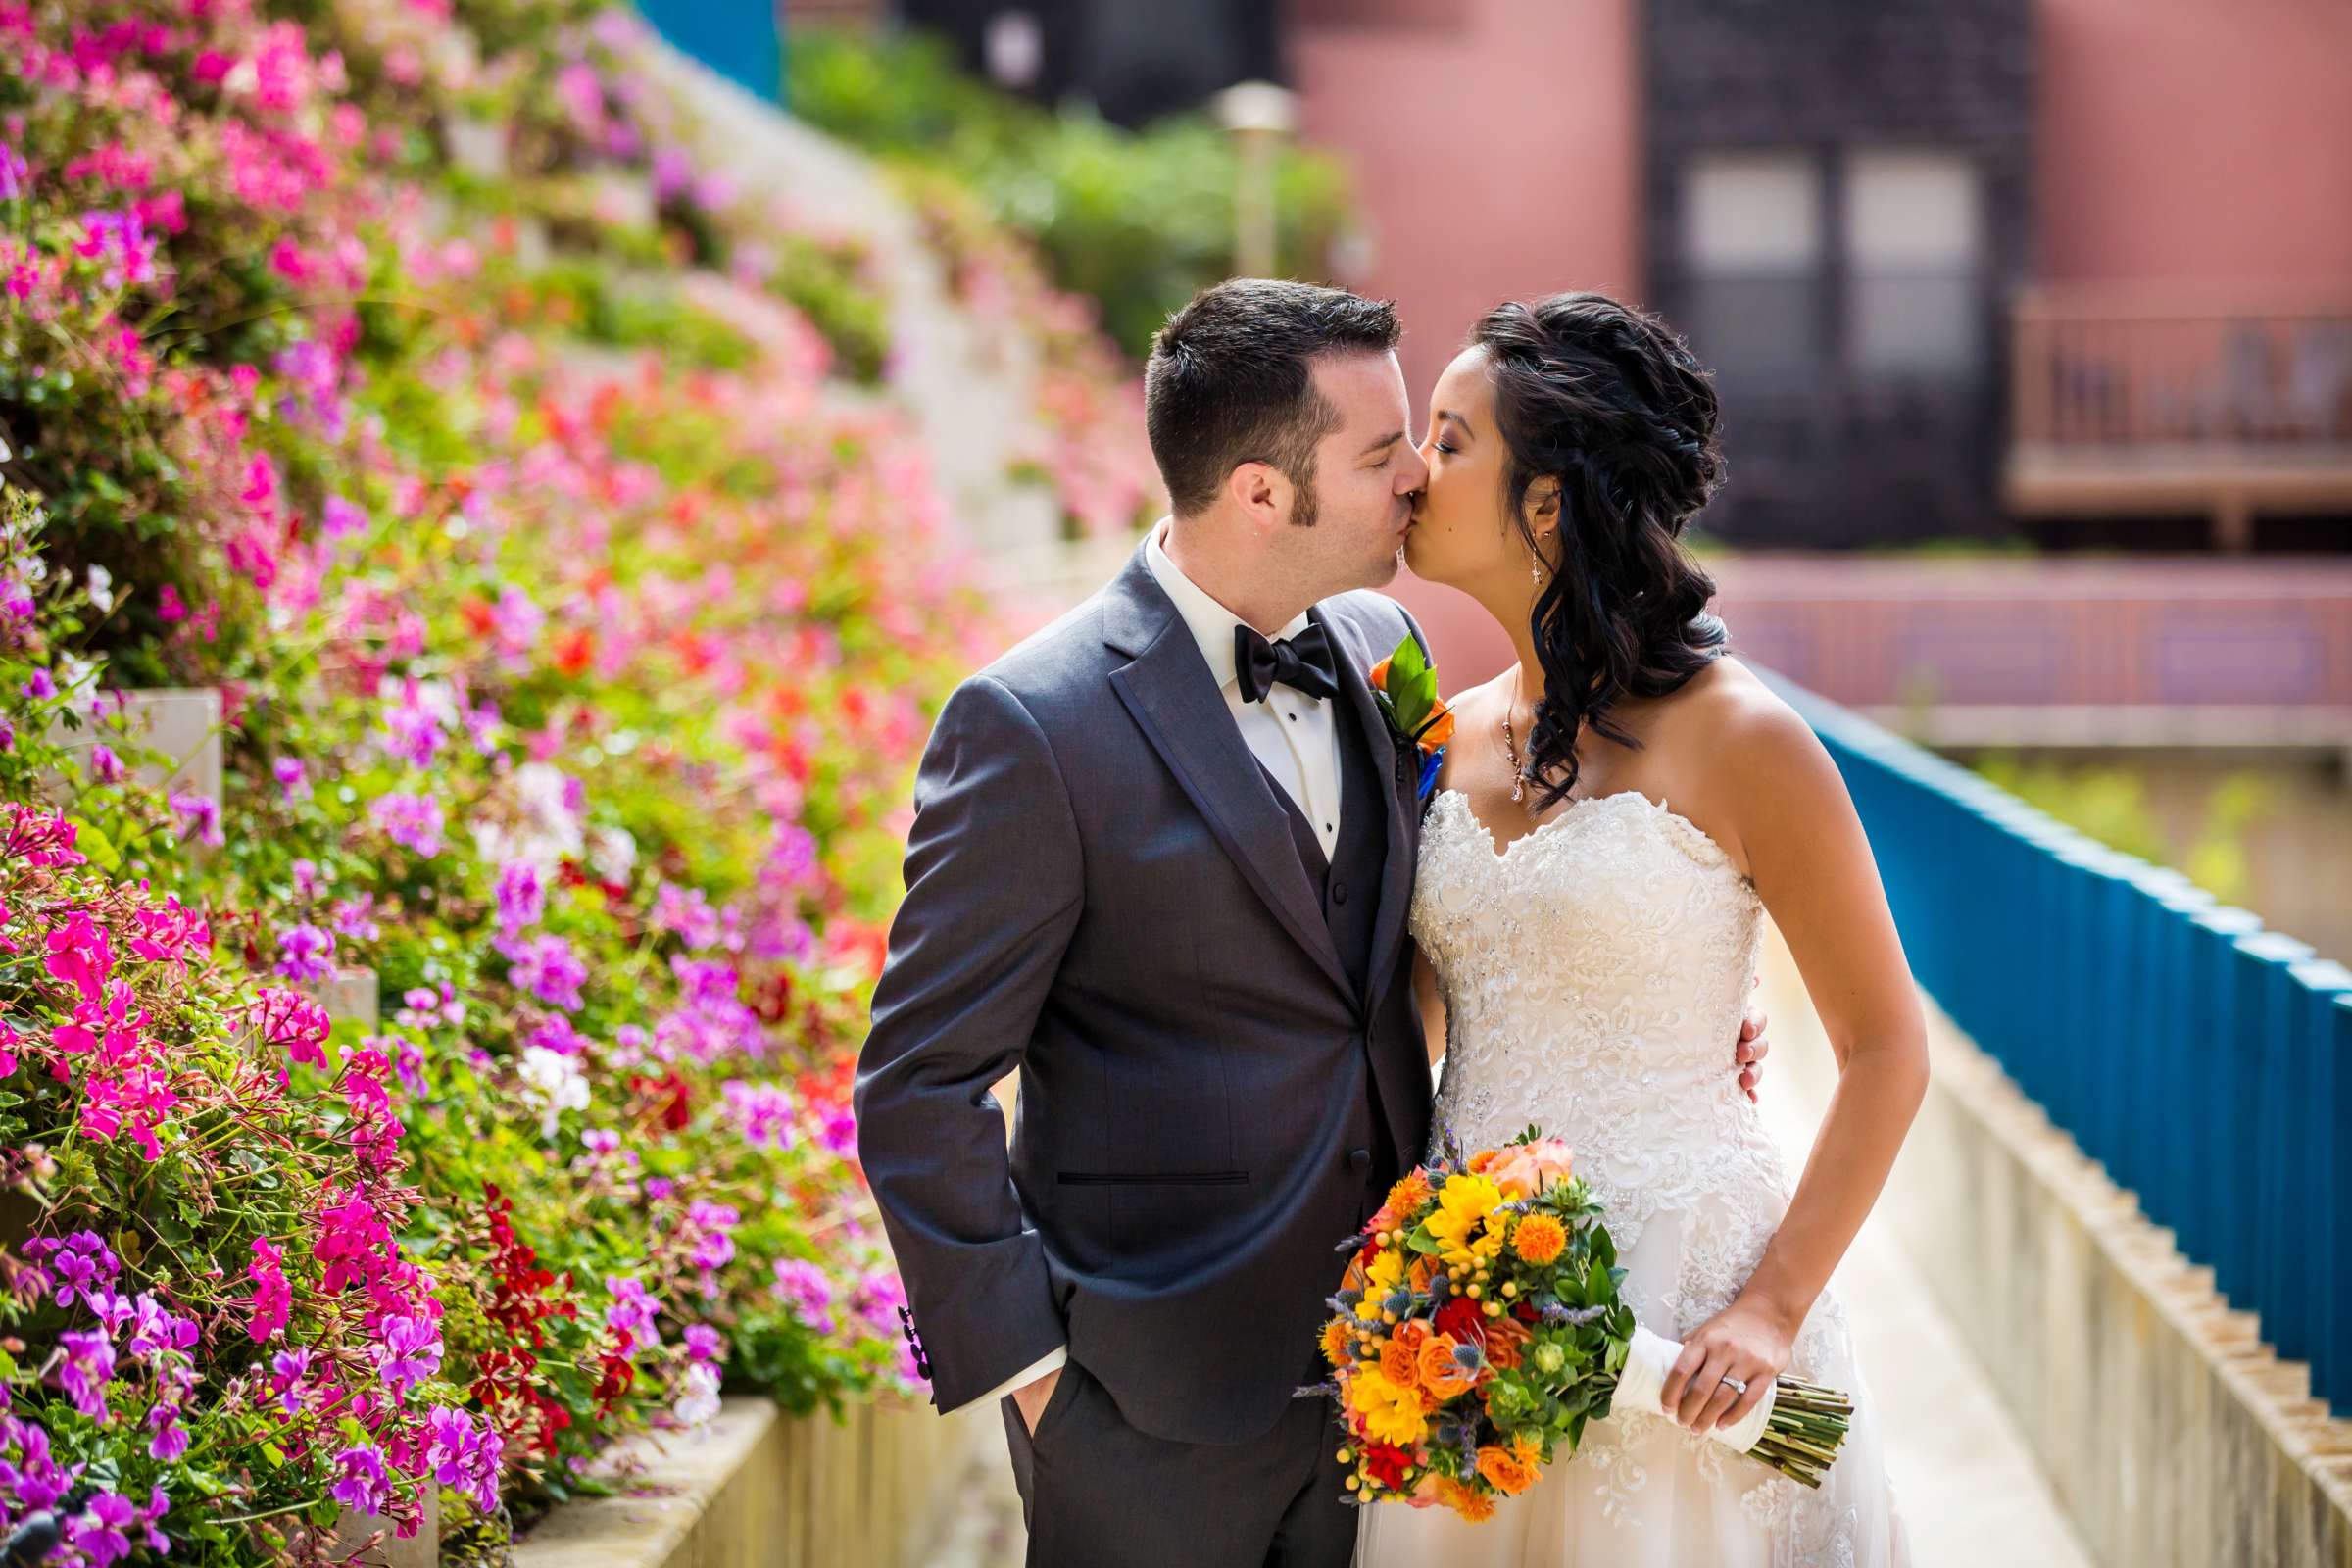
x=1433 y=1008
x=1813 y=870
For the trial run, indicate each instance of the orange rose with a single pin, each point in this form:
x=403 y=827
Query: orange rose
x=1412 y=1333
x=1423 y=1274
x=1397 y=1363
x=1527 y=1169
x=1439 y=1373
x=1504 y=1335
x=1540 y=1238
x=1502 y=1468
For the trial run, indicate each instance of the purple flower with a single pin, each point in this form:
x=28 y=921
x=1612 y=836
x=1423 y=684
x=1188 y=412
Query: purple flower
x=105 y=766
x=340 y=519
x=123 y=240
x=306 y=953
x=170 y=1440
x=464 y=1456
x=88 y=1366
x=35 y=1480
x=839 y=1134
x=711 y=1225
x=158 y=1327
x=550 y=970
x=99 y=1531
x=521 y=896
x=516 y=622
x=82 y=1261
x=878 y=1298
x=409 y=1353
x=421 y=1007
x=353 y=917
x=705 y=1342
x=14 y=172
x=688 y=913
x=791 y=859
x=632 y=1314
x=415 y=723
x=288 y=1369
x=362 y=1487
x=293 y=783
x=762 y=1111
x=413 y=820
x=200 y=814
x=40 y=687
x=807 y=1291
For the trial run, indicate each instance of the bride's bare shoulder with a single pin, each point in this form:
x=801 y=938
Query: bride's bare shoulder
x=1756 y=744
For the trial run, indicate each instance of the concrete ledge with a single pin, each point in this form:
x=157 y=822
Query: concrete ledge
x=759 y=1490
x=2171 y=1435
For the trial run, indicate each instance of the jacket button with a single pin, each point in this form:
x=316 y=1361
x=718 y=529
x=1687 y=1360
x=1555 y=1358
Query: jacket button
x=1360 y=1158
x=1339 y=890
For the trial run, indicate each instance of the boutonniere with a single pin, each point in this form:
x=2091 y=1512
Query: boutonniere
x=1407 y=689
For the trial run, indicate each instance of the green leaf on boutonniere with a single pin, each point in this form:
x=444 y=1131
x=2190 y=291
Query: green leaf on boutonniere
x=1410 y=688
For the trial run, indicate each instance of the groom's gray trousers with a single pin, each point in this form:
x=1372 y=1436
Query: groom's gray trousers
x=1221 y=1071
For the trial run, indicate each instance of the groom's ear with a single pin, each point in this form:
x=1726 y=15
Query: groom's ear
x=1261 y=491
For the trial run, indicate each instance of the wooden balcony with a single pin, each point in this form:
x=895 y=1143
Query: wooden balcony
x=2144 y=403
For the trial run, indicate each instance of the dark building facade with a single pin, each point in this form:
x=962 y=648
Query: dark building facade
x=1837 y=206
x=1132 y=60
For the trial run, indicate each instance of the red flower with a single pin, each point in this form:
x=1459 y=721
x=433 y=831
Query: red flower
x=1461 y=1318
x=1386 y=1465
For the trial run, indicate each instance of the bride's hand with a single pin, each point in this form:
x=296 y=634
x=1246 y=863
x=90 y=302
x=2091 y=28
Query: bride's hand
x=1744 y=1340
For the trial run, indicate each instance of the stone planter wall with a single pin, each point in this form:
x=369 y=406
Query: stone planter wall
x=2171 y=1436
x=760 y=1489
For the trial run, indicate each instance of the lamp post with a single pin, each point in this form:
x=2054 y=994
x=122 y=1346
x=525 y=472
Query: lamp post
x=1259 y=115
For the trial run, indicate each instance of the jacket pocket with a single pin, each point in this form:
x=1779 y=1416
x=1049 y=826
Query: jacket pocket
x=1108 y=1177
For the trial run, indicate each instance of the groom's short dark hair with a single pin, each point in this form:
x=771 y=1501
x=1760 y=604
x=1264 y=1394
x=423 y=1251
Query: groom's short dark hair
x=1230 y=380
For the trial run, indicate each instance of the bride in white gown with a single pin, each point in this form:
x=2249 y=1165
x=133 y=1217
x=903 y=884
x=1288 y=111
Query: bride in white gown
x=1591 y=946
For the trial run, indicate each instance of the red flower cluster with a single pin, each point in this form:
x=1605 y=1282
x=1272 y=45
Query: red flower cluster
x=506 y=1380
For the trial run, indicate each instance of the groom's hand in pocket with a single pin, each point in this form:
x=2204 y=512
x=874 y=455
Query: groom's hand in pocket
x=1751 y=1047
x=1033 y=1399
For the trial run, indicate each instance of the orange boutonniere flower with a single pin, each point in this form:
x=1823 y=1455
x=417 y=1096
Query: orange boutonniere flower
x=1407 y=689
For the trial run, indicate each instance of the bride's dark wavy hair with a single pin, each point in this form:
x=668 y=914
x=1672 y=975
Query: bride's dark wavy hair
x=1610 y=401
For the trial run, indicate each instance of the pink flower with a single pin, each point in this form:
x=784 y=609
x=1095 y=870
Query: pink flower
x=1525 y=1170
x=106 y=1027
x=408 y=1351
x=272 y=1297
x=306 y=953
x=412 y=821
x=292 y=1022
x=79 y=954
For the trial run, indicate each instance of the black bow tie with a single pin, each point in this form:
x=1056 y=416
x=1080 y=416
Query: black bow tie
x=1303 y=662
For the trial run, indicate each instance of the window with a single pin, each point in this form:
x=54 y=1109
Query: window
x=1913 y=242
x=1751 y=239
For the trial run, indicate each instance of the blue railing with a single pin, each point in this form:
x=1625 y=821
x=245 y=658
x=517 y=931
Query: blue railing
x=737 y=38
x=2204 y=1062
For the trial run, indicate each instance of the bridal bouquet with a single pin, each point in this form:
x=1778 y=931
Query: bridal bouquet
x=1479 y=1328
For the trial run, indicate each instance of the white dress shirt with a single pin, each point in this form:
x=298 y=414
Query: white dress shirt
x=1296 y=735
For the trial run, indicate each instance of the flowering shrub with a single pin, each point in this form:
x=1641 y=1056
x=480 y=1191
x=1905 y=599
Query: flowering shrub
x=389 y=368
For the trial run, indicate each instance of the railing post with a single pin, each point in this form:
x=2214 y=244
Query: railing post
x=2265 y=1015
x=2331 y=1371
x=2298 y=1227
x=2210 y=1079
x=2160 y=1036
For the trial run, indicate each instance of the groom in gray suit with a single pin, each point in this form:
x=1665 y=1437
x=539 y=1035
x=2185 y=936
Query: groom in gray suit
x=1160 y=863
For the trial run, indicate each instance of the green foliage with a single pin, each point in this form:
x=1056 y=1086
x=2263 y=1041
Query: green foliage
x=2110 y=803
x=1139 y=221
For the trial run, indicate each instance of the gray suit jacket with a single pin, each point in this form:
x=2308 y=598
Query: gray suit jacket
x=1102 y=890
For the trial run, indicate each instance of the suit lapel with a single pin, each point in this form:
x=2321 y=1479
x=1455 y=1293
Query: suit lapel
x=1167 y=690
x=1388 y=766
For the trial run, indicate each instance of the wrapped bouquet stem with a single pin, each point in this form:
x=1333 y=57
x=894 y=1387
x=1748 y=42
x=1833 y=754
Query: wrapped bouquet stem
x=1795 y=1427
x=1480 y=1324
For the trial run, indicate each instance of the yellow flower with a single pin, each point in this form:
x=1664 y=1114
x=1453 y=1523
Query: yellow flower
x=1539 y=1239
x=1463 y=1205
x=1385 y=1273
x=1391 y=1414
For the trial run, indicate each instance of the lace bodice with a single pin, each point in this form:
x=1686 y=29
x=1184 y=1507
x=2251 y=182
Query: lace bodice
x=1595 y=972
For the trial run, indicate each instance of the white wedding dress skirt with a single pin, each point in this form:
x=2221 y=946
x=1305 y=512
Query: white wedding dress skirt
x=1596 y=973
